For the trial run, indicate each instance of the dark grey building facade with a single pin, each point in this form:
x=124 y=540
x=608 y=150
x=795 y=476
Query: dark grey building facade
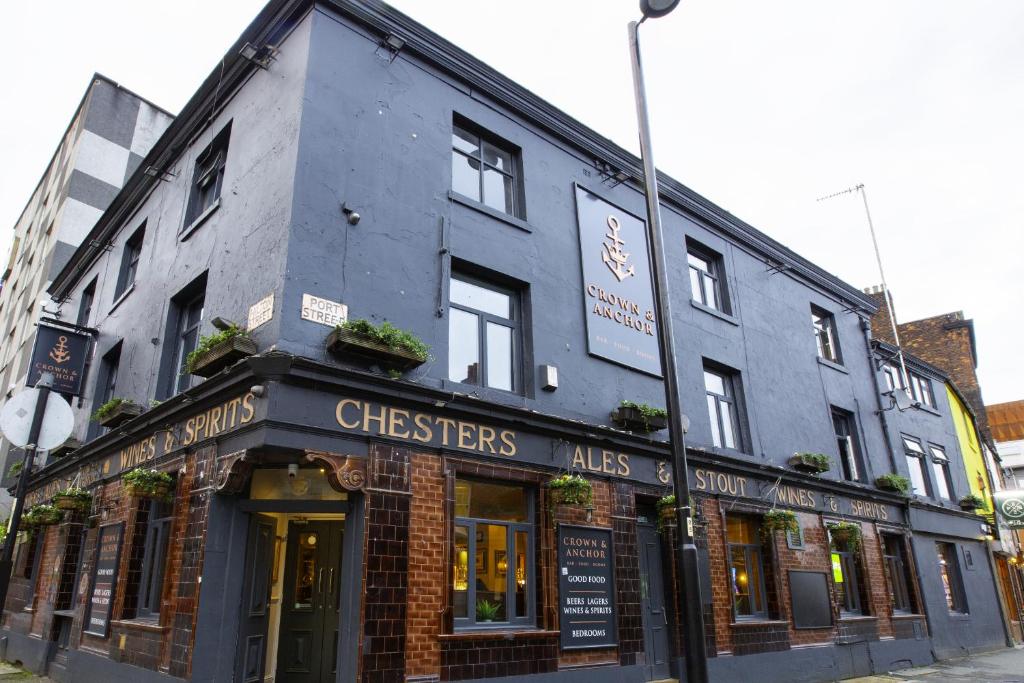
x=343 y=511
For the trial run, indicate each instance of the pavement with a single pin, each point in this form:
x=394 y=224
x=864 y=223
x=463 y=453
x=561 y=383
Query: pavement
x=1003 y=666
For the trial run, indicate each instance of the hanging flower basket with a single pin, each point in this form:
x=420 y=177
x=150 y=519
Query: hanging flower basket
x=639 y=417
x=219 y=351
x=846 y=533
x=570 y=489
x=116 y=411
x=893 y=482
x=73 y=499
x=971 y=502
x=144 y=483
x=810 y=463
x=42 y=515
x=384 y=344
x=666 y=507
x=779 y=520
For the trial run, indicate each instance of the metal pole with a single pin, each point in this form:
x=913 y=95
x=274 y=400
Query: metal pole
x=44 y=384
x=693 y=619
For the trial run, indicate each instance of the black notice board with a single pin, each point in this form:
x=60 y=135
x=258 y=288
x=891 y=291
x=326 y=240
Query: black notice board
x=586 y=587
x=812 y=607
x=103 y=586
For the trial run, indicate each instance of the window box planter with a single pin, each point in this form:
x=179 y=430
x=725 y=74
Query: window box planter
x=153 y=484
x=385 y=344
x=893 y=482
x=116 y=411
x=971 y=502
x=810 y=463
x=639 y=417
x=66 y=448
x=212 y=357
x=42 y=515
x=73 y=499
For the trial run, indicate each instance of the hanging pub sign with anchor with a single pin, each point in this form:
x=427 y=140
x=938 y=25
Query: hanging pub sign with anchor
x=62 y=353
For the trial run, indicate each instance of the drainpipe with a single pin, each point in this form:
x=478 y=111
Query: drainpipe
x=865 y=326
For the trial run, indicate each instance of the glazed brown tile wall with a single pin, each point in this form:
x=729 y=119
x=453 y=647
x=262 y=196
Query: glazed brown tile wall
x=463 y=659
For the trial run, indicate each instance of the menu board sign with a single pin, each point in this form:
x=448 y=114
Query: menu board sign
x=586 y=587
x=104 y=580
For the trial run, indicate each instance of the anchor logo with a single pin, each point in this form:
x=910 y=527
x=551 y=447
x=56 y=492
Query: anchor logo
x=60 y=353
x=612 y=254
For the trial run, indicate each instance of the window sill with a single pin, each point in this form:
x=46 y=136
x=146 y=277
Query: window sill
x=755 y=622
x=509 y=398
x=199 y=220
x=488 y=211
x=124 y=295
x=856 y=617
x=928 y=409
x=960 y=616
x=151 y=625
x=832 y=364
x=501 y=633
x=732 y=320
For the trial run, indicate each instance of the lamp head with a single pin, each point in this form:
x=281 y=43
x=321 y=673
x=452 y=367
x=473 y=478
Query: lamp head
x=657 y=8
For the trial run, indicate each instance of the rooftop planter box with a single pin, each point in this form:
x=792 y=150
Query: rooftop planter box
x=893 y=482
x=971 y=502
x=116 y=411
x=810 y=463
x=639 y=417
x=146 y=483
x=219 y=351
x=384 y=344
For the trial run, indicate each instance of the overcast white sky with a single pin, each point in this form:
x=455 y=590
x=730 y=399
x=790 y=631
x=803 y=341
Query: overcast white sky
x=759 y=106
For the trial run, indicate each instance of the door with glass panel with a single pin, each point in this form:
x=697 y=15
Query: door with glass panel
x=308 y=644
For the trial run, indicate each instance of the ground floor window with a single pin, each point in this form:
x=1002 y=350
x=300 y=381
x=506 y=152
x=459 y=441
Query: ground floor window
x=493 y=554
x=896 y=572
x=952 y=583
x=846 y=573
x=746 y=569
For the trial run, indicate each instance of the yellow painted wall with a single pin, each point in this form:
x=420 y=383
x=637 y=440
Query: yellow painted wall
x=974 y=462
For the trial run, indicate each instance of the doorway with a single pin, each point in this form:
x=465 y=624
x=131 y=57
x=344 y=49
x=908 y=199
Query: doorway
x=652 y=594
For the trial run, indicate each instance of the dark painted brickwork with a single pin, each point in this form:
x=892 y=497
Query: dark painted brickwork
x=757 y=637
x=627 y=574
x=495 y=657
x=387 y=561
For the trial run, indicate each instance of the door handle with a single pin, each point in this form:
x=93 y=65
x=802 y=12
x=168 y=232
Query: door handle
x=330 y=581
x=320 y=585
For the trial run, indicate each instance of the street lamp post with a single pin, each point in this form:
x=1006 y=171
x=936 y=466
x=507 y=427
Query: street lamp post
x=692 y=617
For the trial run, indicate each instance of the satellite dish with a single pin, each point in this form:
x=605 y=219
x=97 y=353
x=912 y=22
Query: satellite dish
x=901 y=400
x=16 y=420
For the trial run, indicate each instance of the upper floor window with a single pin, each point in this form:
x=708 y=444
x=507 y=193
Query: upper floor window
x=130 y=261
x=720 y=387
x=940 y=468
x=106 y=384
x=952 y=583
x=183 y=321
x=486 y=169
x=746 y=569
x=706 y=277
x=921 y=390
x=849 y=457
x=915 y=463
x=493 y=555
x=483 y=334
x=208 y=177
x=85 y=307
x=825 y=334
x=893 y=377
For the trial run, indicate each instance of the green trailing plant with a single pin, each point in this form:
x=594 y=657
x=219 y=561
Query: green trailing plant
x=893 y=482
x=666 y=507
x=108 y=408
x=486 y=610
x=647 y=411
x=153 y=403
x=570 y=489
x=780 y=520
x=388 y=335
x=4 y=526
x=972 y=501
x=818 y=462
x=146 y=483
x=394 y=373
x=42 y=515
x=73 y=498
x=16 y=469
x=845 y=532
x=208 y=342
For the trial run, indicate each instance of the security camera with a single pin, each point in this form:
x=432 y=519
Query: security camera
x=293 y=471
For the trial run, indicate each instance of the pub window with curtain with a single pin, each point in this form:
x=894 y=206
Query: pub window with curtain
x=493 y=555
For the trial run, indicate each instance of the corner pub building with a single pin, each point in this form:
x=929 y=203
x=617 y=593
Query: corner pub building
x=339 y=515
